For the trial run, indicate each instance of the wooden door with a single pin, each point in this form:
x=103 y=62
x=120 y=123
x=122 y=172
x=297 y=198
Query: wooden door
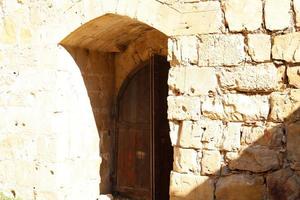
x=143 y=148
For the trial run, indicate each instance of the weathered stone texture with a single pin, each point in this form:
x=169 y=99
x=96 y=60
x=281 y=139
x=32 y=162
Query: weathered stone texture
x=274 y=20
x=259 y=47
x=254 y=159
x=211 y=162
x=293 y=141
x=271 y=135
x=286 y=47
x=248 y=78
x=297 y=11
x=237 y=19
x=183 y=108
x=192 y=80
x=188 y=186
x=283 y=184
x=242 y=186
x=215 y=50
x=285 y=106
x=186 y=161
x=293 y=74
x=237 y=107
x=209 y=13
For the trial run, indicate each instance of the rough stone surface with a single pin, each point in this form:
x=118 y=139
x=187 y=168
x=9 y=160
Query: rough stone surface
x=193 y=81
x=210 y=15
x=293 y=139
x=186 y=134
x=283 y=184
x=293 y=74
x=211 y=162
x=249 y=78
x=245 y=187
x=183 y=108
x=297 y=11
x=246 y=108
x=286 y=47
x=275 y=21
x=186 y=161
x=188 y=186
x=285 y=106
x=259 y=47
x=254 y=159
x=270 y=135
x=215 y=50
x=236 y=18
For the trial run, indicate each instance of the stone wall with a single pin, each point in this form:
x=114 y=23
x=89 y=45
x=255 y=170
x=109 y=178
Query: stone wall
x=233 y=105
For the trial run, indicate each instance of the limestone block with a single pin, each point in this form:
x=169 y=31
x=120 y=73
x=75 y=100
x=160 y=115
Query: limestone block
x=189 y=186
x=293 y=141
x=286 y=47
x=293 y=74
x=212 y=136
x=285 y=106
x=275 y=21
x=201 y=18
x=261 y=78
x=183 y=108
x=297 y=11
x=231 y=137
x=236 y=107
x=283 y=184
x=254 y=159
x=237 y=19
x=216 y=50
x=243 y=186
x=211 y=162
x=192 y=80
x=183 y=49
x=186 y=161
x=186 y=134
x=270 y=135
x=259 y=47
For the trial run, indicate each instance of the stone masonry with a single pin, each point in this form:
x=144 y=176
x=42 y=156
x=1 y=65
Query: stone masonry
x=233 y=105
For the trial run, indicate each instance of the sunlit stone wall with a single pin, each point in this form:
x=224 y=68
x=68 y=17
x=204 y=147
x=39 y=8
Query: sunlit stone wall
x=233 y=105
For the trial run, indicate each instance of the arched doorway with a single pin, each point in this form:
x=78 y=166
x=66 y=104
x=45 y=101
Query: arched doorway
x=143 y=147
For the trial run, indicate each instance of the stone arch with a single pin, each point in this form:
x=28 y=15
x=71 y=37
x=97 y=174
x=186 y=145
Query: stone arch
x=107 y=49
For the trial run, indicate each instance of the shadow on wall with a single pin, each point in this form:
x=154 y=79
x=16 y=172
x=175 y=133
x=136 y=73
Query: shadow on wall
x=266 y=165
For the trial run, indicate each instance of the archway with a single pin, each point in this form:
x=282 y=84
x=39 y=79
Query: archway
x=107 y=50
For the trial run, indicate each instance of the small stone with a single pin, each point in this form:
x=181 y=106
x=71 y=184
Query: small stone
x=237 y=19
x=231 y=137
x=285 y=106
x=183 y=108
x=293 y=74
x=186 y=161
x=213 y=132
x=211 y=162
x=273 y=20
x=186 y=134
x=259 y=47
x=241 y=187
x=287 y=47
x=283 y=184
